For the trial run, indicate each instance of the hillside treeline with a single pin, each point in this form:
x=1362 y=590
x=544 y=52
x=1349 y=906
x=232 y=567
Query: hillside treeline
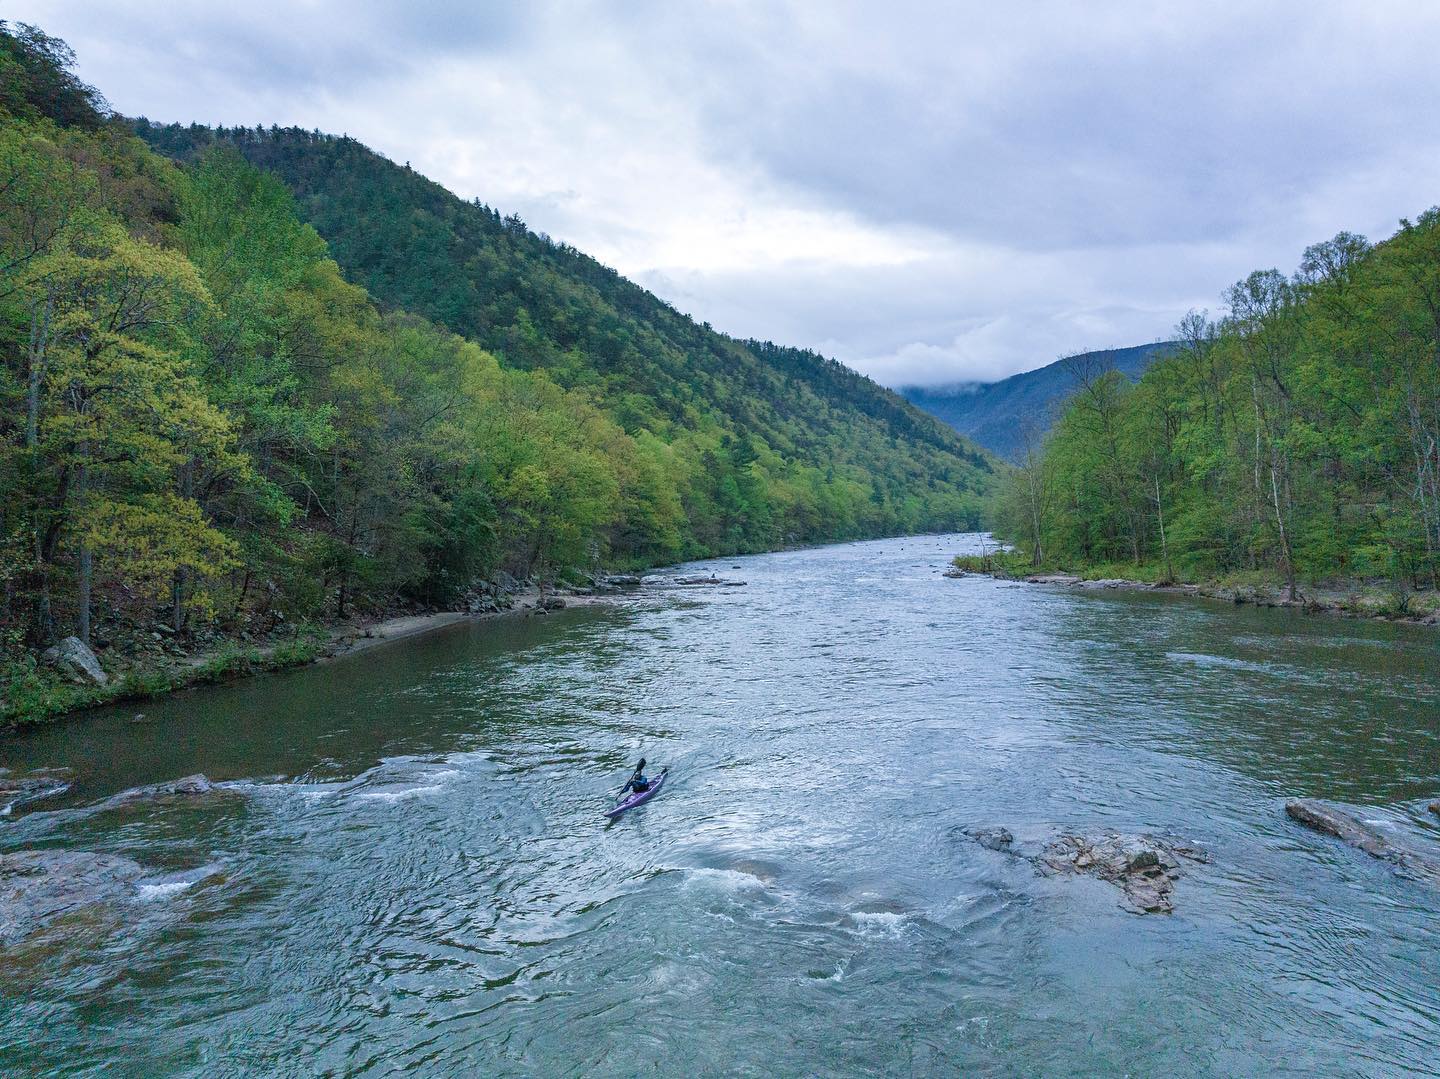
x=1298 y=435
x=770 y=445
x=205 y=420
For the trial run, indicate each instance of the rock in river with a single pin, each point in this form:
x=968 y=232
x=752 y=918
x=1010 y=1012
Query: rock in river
x=1352 y=830
x=38 y=886
x=182 y=789
x=22 y=788
x=992 y=838
x=1144 y=867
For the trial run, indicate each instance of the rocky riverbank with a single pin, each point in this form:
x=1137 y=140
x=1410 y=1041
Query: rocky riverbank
x=137 y=663
x=1353 y=599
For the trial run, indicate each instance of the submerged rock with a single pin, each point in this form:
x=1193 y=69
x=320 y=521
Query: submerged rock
x=185 y=788
x=38 y=886
x=1343 y=826
x=73 y=658
x=998 y=839
x=20 y=789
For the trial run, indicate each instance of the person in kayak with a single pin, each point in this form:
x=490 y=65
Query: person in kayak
x=638 y=782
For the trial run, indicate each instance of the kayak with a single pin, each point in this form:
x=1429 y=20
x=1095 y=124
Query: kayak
x=639 y=798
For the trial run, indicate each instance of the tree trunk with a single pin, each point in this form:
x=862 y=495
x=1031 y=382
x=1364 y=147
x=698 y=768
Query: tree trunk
x=87 y=566
x=87 y=558
x=1164 y=546
x=44 y=619
x=39 y=340
x=177 y=581
x=244 y=591
x=1284 y=539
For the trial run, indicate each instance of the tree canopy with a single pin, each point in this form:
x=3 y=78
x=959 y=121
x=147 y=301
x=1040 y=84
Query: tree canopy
x=1298 y=434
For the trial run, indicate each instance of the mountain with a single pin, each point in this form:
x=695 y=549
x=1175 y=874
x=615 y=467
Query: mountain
x=994 y=414
x=868 y=461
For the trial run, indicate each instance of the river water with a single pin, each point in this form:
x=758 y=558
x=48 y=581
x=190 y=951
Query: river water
x=408 y=870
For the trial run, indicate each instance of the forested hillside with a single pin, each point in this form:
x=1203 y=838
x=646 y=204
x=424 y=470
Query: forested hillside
x=1002 y=415
x=208 y=421
x=835 y=454
x=1298 y=435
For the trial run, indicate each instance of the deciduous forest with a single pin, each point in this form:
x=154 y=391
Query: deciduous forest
x=1297 y=436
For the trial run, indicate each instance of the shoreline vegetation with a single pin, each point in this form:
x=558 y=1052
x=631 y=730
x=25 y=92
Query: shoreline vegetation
x=1346 y=598
x=1292 y=441
x=163 y=668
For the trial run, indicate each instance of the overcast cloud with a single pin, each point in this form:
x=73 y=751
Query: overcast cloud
x=931 y=193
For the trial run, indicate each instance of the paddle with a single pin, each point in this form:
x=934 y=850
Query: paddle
x=639 y=768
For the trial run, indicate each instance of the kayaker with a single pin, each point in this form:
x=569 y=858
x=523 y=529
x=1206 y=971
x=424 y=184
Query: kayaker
x=638 y=783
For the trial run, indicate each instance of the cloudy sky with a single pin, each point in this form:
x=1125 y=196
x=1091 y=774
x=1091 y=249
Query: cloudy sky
x=930 y=192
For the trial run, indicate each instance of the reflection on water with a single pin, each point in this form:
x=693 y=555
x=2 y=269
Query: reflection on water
x=407 y=869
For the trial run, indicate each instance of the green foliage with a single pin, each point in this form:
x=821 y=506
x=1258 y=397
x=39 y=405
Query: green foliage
x=1001 y=562
x=36 y=80
x=1298 y=437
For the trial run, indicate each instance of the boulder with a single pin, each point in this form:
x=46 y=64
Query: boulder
x=1052 y=578
x=551 y=603
x=955 y=573
x=22 y=788
x=73 y=658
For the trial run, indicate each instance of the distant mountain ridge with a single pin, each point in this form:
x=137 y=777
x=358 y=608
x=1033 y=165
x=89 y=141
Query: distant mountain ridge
x=994 y=414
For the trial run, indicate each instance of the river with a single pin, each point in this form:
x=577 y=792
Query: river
x=408 y=871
